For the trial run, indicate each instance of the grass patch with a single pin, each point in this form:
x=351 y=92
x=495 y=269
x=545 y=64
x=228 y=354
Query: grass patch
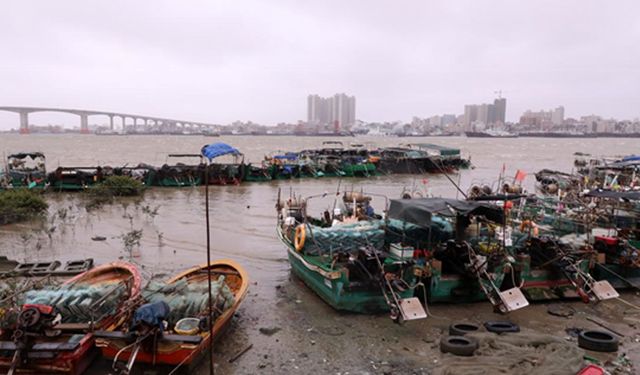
x=20 y=205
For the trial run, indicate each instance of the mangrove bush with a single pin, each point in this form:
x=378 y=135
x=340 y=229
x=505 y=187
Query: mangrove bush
x=113 y=186
x=19 y=205
x=118 y=186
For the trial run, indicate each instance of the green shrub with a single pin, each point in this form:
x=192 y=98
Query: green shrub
x=19 y=205
x=118 y=186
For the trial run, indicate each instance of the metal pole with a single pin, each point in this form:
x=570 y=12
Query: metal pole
x=206 y=205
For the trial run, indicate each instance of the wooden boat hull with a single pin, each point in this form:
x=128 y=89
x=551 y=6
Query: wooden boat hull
x=72 y=353
x=174 y=353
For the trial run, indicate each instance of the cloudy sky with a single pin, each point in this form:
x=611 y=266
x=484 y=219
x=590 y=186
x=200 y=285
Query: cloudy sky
x=220 y=61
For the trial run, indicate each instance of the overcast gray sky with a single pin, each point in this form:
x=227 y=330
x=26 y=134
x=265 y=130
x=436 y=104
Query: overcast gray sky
x=220 y=61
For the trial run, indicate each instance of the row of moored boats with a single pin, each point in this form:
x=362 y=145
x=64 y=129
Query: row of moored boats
x=28 y=169
x=500 y=244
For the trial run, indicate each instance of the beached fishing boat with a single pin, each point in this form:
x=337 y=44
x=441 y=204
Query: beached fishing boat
x=51 y=330
x=478 y=255
x=346 y=257
x=188 y=334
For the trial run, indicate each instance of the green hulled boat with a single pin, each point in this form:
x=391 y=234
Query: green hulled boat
x=74 y=178
x=24 y=170
x=344 y=260
x=482 y=258
x=179 y=174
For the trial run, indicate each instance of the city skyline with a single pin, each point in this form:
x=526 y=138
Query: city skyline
x=241 y=61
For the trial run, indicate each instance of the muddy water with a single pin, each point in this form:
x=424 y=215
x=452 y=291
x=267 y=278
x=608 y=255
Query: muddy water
x=311 y=336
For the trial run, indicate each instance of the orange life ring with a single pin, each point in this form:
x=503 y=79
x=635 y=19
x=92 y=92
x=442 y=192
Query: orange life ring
x=300 y=237
x=529 y=224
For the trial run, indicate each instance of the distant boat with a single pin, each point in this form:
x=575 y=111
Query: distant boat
x=491 y=133
x=557 y=134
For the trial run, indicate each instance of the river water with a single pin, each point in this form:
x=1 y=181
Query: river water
x=243 y=228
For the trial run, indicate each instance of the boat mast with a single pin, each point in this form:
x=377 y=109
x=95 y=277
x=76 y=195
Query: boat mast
x=206 y=205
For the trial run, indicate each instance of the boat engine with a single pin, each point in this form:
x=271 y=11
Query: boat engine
x=34 y=320
x=37 y=319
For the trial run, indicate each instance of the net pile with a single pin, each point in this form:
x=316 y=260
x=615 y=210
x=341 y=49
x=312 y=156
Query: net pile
x=80 y=303
x=190 y=299
x=344 y=237
x=515 y=353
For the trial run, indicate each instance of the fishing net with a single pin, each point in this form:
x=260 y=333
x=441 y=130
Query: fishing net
x=515 y=353
x=344 y=237
x=190 y=299
x=79 y=303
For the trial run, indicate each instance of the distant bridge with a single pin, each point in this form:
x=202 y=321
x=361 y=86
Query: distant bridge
x=84 y=118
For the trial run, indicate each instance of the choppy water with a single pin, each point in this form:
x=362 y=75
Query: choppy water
x=242 y=217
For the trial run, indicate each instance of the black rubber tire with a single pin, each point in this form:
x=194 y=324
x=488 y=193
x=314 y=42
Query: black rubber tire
x=458 y=345
x=501 y=326
x=598 y=341
x=461 y=329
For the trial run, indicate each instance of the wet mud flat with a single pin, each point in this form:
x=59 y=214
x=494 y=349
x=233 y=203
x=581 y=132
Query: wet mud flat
x=299 y=334
x=288 y=327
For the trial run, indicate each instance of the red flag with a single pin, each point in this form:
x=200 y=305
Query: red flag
x=504 y=167
x=425 y=181
x=520 y=175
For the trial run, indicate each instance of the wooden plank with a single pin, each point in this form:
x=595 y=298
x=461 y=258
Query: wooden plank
x=113 y=335
x=190 y=339
x=73 y=326
x=55 y=346
x=44 y=347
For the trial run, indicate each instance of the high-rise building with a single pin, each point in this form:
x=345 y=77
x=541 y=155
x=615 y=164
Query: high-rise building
x=500 y=110
x=557 y=116
x=470 y=116
x=339 y=110
x=487 y=114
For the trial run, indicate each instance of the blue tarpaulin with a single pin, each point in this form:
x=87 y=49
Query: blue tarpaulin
x=214 y=150
x=151 y=314
x=288 y=155
x=631 y=158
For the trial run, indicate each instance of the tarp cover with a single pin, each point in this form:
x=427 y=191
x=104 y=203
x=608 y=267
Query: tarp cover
x=625 y=164
x=288 y=155
x=631 y=158
x=151 y=314
x=626 y=195
x=23 y=155
x=444 y=150
x=419 y=211
x=214 y=150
